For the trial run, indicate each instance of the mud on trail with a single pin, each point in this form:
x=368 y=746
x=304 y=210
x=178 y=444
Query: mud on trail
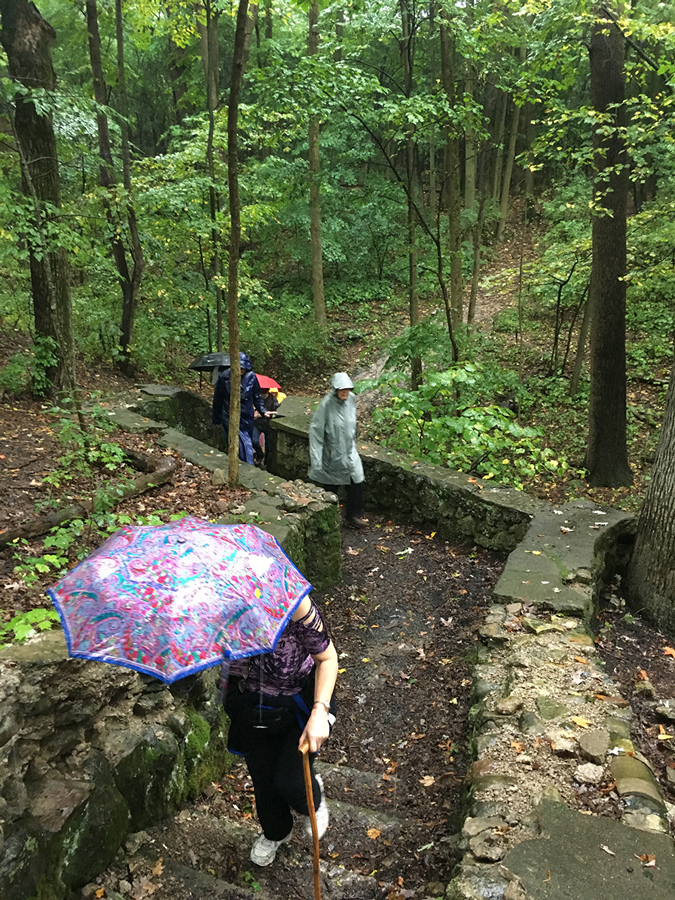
x=404 y=620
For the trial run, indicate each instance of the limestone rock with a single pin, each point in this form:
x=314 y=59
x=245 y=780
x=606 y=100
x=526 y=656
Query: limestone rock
x=218 y=477
x=563 y=744
x=666 y=709
x=475 y=826
x=549 y=708
x=530 y=723
x=487 y=848
x=509 y=706
x=594 y=745
x=589 y=773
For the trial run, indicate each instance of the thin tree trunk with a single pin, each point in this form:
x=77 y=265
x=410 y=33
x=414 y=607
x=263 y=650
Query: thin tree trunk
x=208 y=34
x=581 y=348
x=315 y=185
x=339 y=33
x=452 y=178
x=508 y=170
x=433 y=199
x=500 y=134
x=130 y=306
x=407 y=56
x=129 y=281
x=478 y=235
x=27 y=39
x=607 y=455
x=470 y=147
x=242 y=37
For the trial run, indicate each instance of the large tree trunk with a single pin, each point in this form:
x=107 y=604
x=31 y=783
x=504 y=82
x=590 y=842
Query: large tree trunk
x=315 y=185
x=606 y=456
x=242 y=38
x=452 y=192
x=651 y=573
x=27 y=40
x=129 y=280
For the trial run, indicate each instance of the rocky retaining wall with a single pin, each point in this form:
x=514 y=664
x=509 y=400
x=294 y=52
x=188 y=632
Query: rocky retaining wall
x=89 y=753
x=455 y=504
x=92 y=753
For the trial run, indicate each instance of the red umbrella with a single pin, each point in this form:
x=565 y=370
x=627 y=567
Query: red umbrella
x=267 y=384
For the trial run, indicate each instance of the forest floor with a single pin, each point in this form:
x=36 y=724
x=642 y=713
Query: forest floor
x=405 y=616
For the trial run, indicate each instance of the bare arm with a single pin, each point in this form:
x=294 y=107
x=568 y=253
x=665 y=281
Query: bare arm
x=317 y=730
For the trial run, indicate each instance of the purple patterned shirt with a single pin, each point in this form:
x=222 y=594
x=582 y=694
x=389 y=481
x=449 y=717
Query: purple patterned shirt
x=285 y=670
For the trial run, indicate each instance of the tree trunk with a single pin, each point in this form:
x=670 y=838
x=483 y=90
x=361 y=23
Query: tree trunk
x=470 y=147
x=27 y=39
x=315 y=185
x=129 y=281
x=208 y=35
x=407 y=56
x=339 y=33
x=131 y=297
x=453 y=195
x=508 y=170
x=651 y=572
x=242 y=37
x=478 y=235
x=433 y=199
x=500 y=132
x=606 y=456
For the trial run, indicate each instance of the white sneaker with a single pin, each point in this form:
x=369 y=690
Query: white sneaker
x=264 y=851
x=322 y=814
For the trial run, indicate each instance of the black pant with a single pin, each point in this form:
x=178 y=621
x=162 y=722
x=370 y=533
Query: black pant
x=355 y=494
x=275 y=765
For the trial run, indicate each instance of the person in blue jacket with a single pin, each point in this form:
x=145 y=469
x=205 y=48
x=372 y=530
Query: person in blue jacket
x=251 y=399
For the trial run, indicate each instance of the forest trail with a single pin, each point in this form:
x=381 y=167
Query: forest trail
x=405 y=621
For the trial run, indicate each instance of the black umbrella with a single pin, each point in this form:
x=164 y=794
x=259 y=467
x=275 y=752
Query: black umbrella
x=210 y=361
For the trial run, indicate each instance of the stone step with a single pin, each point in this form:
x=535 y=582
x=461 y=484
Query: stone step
x=206 y=886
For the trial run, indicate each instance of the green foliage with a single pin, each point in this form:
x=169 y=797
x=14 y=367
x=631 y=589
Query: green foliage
x=27 y=370
x=440 y=422
x=27 y=624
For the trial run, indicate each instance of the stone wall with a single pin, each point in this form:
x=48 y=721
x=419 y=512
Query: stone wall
x=89 y=753
x=455 y=504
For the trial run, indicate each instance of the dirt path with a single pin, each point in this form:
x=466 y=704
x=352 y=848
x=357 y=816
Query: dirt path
x=405 y=621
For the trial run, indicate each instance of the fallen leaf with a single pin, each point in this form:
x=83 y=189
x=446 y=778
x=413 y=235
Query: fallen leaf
x=648 y=860
x=428 y=780
x=643 y=675
x=548 y=875
x=669 y=651
x=663 y=734
x=158 y=868
x=518 y=746
x=580 y=721
x=100 y=892
x=581 y=660
x=607 y=850
x=373 y=833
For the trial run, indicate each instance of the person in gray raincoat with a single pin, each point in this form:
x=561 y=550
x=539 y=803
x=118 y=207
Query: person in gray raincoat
x=334 y=459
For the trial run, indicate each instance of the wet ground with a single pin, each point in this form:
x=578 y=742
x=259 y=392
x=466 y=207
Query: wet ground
x=404 y=621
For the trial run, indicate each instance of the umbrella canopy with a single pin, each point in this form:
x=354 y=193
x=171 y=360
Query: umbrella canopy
x=267 y=384
x=175 y=599
x=210 y=361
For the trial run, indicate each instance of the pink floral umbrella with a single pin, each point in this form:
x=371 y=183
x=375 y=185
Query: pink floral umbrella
x=175 y=599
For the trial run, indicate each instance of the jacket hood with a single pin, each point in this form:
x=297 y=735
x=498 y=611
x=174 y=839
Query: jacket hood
x=245 y=362
x=340 y=381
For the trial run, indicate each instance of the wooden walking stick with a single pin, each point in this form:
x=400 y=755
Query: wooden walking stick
x=312 y=818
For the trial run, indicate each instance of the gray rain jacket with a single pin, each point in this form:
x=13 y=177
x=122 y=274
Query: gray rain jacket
x=333 y=456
